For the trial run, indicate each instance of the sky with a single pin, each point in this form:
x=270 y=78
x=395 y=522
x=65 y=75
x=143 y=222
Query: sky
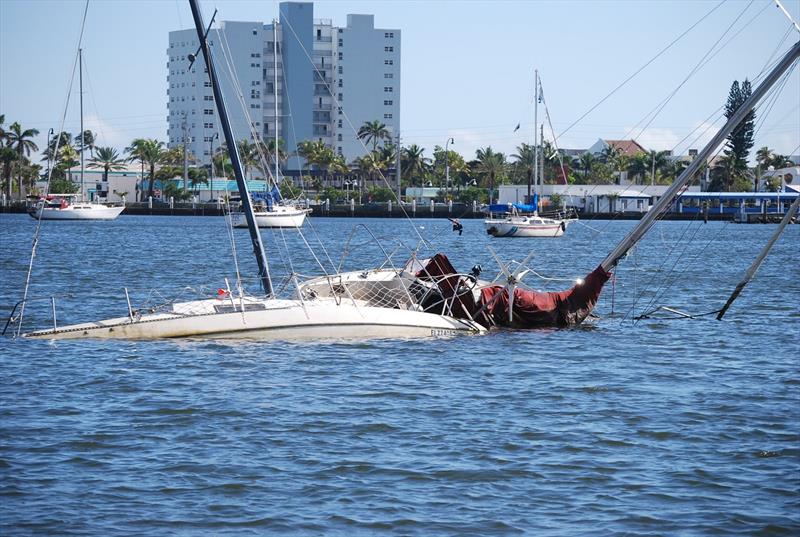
x=467 y=67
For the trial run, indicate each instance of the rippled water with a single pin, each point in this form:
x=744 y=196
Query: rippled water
x=661 y=427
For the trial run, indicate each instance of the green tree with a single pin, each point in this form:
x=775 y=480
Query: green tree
x=67 y=159
x=21 y=140
x=587 y=163
x=197 y=177
x=248 y=156
x=87 y=141
x=108 y=159
x=150 y=152
x=638 y=165
x=414 y=163
x=740 y=141
x=373 y=132
x=492 y=165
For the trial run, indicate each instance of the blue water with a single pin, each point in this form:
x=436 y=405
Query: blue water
x=656 y=427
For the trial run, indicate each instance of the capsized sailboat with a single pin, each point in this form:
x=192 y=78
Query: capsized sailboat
x=325 y=307
x=510 y=307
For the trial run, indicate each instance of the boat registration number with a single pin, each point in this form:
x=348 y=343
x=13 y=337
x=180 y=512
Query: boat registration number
x=443 y=332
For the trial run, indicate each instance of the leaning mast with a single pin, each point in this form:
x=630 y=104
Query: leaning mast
x=671 y=193
x=247 y=204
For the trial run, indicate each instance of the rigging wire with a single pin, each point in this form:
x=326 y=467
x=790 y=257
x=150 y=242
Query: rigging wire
x=37 y=230
x=642 y=68
x=354 y=130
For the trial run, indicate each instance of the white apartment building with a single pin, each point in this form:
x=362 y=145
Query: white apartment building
x=330 y=81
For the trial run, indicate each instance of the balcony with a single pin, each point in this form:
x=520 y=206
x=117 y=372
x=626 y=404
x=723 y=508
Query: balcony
x=322 y=107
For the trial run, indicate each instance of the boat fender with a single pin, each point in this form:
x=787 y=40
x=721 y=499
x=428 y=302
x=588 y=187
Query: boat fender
x=563 y=226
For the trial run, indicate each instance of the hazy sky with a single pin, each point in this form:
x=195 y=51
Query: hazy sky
x=467 y=67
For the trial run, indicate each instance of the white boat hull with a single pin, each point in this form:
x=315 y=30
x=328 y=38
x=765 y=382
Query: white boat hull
x=525 y=227
x=281 y=216
x=79 y=211
x=269 y=319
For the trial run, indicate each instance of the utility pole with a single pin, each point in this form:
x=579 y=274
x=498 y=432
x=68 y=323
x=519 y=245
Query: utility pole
x=185 y=155
x=399 y=174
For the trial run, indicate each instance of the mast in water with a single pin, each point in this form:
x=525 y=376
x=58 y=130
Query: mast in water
x=247 y=204
x=671 y=193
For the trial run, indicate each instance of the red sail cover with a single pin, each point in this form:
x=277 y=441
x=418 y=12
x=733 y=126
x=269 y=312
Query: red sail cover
x=532 y=309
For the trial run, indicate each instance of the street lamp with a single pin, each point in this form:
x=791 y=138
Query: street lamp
x=447 y=165
x=49 y=152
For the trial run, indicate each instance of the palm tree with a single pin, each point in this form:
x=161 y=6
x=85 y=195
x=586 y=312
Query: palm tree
x=269 y=149
x=373 y=132
x=108 y=159
x=413 y=161
x=524 y=157
x=248 y=155
x=85 y=141
x=20 y=141
x=638 y=165
x=197 y=177
x=490 y=164
x=68 y=159
x=764 y=156
x=149 y=152
x=587 y=162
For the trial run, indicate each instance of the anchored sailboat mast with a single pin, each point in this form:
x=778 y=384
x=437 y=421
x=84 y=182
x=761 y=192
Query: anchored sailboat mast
x=233 y=151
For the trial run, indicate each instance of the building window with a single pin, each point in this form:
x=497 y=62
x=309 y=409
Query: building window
x=207 y=84
x=388 y=49
x=388 y=35
x=340 y=124
x=341 y=56
x=339 y=137
x=255 y=32
x=341 y=42
x=387 y=116
x=208 y=125
x=340 y=97
x=388 y=62
x=388 y=75
x=208 y=98
x=208 y=111
x=340 y=82
x=340 y=69
x=388 y=89
x=388 y=103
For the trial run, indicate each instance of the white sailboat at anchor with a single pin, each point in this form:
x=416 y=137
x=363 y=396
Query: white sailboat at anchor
x=72 y=206
x=517 y=220
x=274 y=211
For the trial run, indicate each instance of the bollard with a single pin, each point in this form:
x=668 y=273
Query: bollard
x=150 y=202
x=414 y=207
x=433 y=206
x=389 y=206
